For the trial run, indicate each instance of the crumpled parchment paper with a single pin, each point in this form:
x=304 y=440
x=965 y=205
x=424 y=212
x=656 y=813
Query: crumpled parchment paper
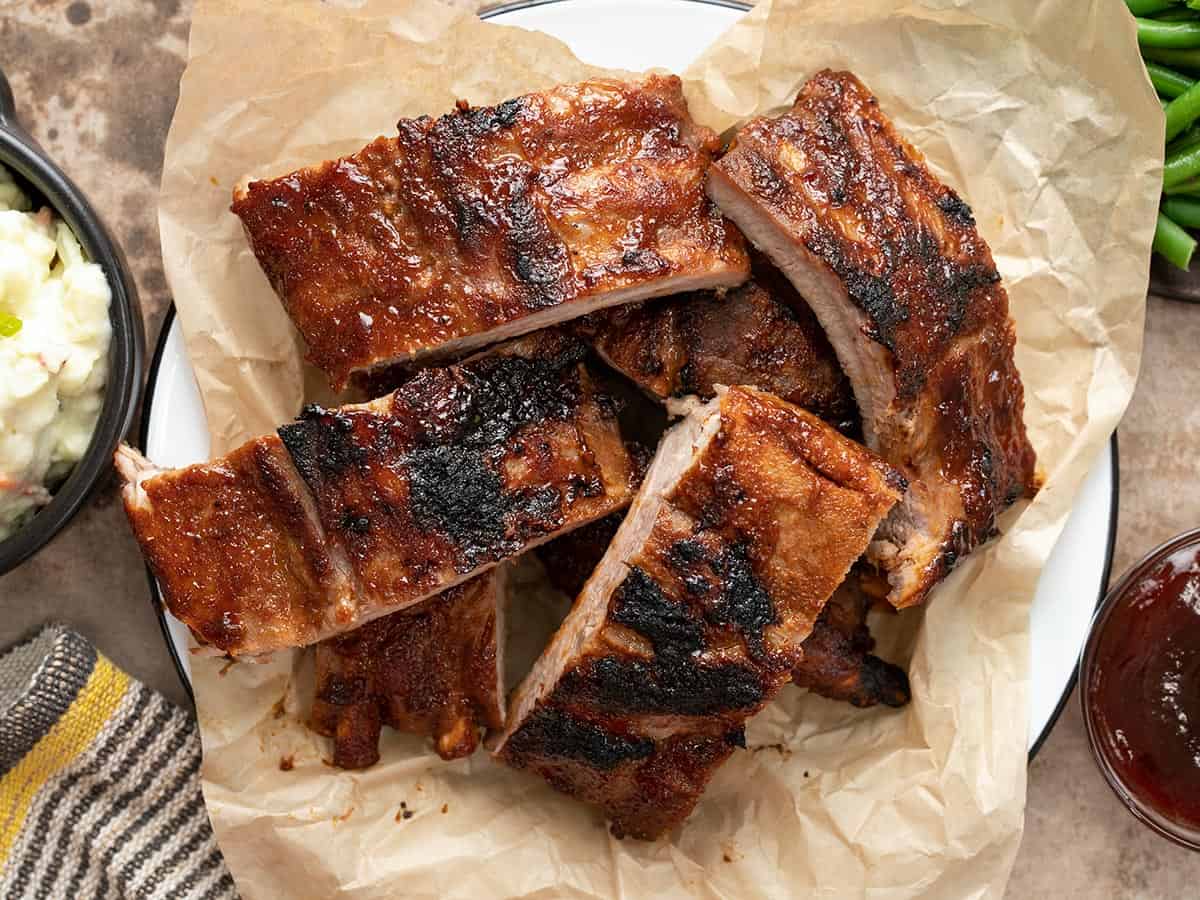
x=1037 y=112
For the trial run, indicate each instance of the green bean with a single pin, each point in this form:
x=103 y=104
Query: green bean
x=1181 y=166
x=1173 y=243
x=1191 y=186
x=1183 y=111
x=1183 y=211
x=1149 y=7
x=1176 y=15
x=1181 y=59
x=1168 y=82
x=9 y=325
x=1170 y=35
x=1189 y=138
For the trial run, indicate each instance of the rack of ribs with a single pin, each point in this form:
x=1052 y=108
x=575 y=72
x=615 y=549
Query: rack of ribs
x=762 y=334
x=894 y=268
x=493 y=221
x=749 y=517
x=352 y=513
x=435 y=669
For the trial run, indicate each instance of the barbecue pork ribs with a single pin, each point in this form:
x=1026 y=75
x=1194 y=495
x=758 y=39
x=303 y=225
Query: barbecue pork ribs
x=894 y=268
x=493 y=221
x=352 y=513
x=837 y=662
x=435 y=669
x=751 y=514
x=762 y=334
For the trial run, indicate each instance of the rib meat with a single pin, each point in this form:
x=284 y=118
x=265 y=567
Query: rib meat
x=352 y=513
x=762 y=334
x=892 y=264
x=493 y=221
x=434 y=669
x=837 y=661
x=751 y=514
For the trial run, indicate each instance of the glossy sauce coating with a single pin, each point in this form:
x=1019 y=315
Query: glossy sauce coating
x=708 y=618
x=1144 y=688
x=926 y=335
x=475 y=220
x=428 y=670
x=760 y=334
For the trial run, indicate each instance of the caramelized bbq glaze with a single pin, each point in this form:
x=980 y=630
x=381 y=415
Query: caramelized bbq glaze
x=689 y=628
x=477 y=220
x=762 y=334
x=460 y=468
x=894 y=266
x=427 y=670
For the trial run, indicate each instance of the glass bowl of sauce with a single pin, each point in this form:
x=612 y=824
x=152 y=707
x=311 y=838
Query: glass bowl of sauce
x=1139 y=682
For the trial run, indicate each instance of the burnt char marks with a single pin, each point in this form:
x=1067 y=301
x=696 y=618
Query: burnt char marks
x=434 y=453
x=676 y=681
x=455 y=481
x=724 y=582
x=956 y=208
x=554 y=733
x=640 y=604
x=667 y=685
x=321 y=442
x=454 y=491
x=741 y=602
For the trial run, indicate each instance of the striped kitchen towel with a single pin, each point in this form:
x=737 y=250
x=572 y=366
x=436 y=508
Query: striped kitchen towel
x=99 y=782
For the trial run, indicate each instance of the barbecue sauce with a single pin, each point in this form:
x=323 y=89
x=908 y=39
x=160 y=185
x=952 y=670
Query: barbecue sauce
x=1144 y=688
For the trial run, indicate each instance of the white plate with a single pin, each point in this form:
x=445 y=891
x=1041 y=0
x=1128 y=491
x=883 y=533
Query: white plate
x=640 y=34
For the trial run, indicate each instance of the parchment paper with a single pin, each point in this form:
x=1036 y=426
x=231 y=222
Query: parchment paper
x=1037 y=112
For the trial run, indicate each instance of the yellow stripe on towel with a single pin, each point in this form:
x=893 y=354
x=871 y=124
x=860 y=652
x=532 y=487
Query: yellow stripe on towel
x=66 y=740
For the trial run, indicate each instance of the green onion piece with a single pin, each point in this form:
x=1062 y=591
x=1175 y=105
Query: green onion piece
x=9 y=325
x=1183 y=211
x=1168 y=82
x=1170 y=35
x=1183 y=59
x=1173 y=243
x=1148 y=7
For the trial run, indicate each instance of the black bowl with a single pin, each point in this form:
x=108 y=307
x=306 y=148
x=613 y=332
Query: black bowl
x=45 y=182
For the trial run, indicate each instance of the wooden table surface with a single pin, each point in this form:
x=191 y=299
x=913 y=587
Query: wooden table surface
x=96 y=83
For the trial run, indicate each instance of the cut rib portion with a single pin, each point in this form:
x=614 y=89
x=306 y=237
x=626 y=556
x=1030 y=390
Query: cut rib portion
x=431 y=670
x=892 y=264
x=749 y=517
x=838 y=662
x=761 y=334
x=491 y=222
x=237 y=547
x=411 y=494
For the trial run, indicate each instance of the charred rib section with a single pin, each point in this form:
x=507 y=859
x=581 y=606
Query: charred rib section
x=762 y=334
x=432 y=670
x=906 y=289
x=372 y=508
x=492 y=222
x=747 y=520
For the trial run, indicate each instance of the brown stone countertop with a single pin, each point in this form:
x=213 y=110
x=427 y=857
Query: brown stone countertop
x=96 y=82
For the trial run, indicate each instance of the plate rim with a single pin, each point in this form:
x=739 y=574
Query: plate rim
x=488 y=12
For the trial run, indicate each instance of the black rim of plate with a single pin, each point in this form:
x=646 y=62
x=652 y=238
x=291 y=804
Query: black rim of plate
x=491 y=12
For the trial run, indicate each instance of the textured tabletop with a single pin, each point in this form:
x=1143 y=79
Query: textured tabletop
x=96 y=83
